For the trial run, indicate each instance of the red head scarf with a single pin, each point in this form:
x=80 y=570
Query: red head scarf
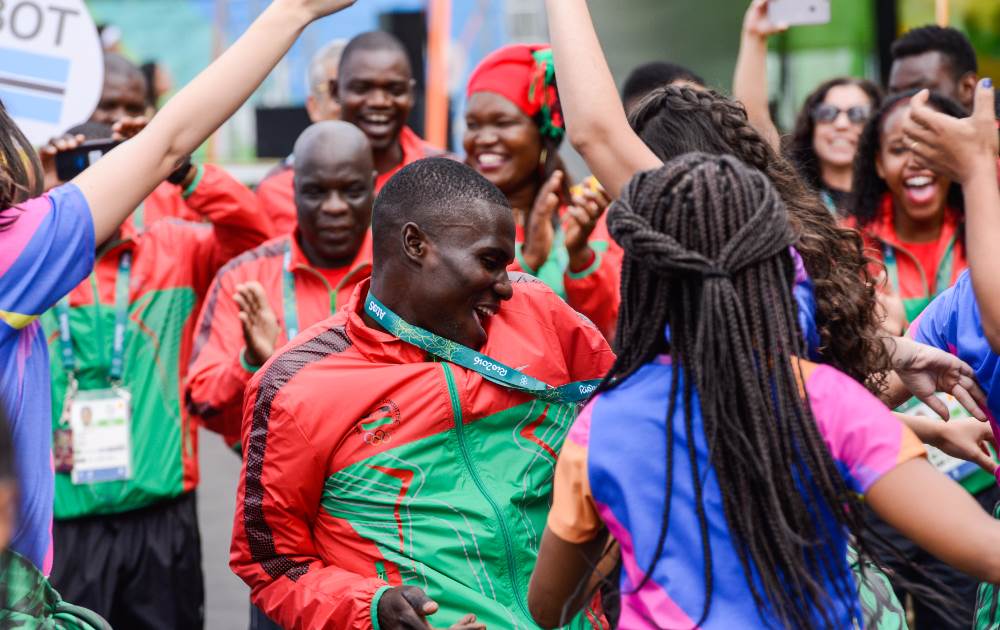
x=525 y=75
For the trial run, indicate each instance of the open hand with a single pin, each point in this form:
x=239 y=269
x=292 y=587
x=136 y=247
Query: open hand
x=926 y=370
x=756 y=22
x=968 y=439
x=953 y=147
x=539 y=233
x=579 y=222
x=260 y=324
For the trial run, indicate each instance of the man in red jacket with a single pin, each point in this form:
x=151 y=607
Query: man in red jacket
x=262 y=299
x=275 y=191
x=399 y=455
x=374 y=87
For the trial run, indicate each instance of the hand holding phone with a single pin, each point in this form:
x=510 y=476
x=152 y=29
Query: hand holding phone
x=799 y=12
x=72 y=162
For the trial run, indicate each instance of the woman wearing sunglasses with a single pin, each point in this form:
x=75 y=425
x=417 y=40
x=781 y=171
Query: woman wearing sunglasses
x=825 y=139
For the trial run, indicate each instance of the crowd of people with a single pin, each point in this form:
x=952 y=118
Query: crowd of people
x=731 y=379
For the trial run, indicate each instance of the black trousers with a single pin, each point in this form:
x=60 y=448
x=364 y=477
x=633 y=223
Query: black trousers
x=963 y=586
x=140 y=569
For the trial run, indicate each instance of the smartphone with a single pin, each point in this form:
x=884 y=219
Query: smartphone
x=798 y=12
x=71 y=163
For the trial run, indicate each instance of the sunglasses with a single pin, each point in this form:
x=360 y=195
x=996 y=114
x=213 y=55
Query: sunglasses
x=825 y=113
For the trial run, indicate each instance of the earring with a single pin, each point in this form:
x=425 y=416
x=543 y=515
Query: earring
x=543 y=158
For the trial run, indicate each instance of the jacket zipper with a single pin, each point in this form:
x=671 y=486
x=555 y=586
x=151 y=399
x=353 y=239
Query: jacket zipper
x=456 y=408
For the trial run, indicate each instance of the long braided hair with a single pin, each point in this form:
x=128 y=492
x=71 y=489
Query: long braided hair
x=706 y=259
x=676 y=120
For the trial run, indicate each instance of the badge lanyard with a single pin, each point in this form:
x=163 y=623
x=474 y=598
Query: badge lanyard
x=490 y=369
x=288 y=296
x=121 y=320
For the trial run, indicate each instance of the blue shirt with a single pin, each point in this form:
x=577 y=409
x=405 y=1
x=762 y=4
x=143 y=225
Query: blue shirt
x=47 y=251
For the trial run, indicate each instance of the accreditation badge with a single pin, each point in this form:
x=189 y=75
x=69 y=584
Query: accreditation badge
x=101 y=425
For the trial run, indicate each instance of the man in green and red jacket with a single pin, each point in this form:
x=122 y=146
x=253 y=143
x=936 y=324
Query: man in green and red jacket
x=126 y=535
x=398 y=457
x=263 y=298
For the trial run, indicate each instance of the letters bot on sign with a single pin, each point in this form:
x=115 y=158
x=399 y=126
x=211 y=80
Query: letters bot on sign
x=51 y=65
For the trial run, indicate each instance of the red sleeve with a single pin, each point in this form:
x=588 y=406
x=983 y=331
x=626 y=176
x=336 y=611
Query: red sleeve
x=585 y=350
x=238 y=222
x=278 y=500
x=217 y=377
x=595 y=291
x=277 y=199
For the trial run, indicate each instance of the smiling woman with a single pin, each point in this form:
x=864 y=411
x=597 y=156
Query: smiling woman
x=911 y=216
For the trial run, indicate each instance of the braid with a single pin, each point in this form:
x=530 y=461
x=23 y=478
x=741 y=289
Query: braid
x=676 y=120
x=706 y=247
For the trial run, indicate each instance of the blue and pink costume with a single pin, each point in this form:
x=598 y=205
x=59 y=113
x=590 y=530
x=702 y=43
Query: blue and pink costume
x=46 y=252
x=612 y=472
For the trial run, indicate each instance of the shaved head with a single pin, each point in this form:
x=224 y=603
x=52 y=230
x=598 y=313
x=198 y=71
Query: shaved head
x=434 y=193
x=333 y=141
x=334 y=187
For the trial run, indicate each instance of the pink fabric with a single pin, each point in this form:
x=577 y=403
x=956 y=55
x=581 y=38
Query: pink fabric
x=650 y=607
x=15 y=238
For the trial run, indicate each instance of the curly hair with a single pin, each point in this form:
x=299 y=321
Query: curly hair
x=800 y=146
x=677 y=120
x=20 y=170
x=868 y=188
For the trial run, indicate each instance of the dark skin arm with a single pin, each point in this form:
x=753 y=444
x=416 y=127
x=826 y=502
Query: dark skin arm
x=554 y=596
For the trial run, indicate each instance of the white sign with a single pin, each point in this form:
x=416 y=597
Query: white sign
x=51 y=65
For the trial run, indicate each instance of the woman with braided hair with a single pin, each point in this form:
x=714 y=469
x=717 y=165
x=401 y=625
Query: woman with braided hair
x=672 y=121
x=759 y=477
x=513 y=132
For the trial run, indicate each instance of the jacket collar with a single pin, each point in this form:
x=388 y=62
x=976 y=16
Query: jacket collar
x=298 y=260
x=884 y=227
x=375 y=345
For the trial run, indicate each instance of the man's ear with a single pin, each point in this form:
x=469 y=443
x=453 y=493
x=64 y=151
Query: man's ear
x=415 y=243
x=967 y=87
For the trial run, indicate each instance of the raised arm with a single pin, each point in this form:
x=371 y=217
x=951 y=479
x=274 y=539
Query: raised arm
x=595 y=117
x=750 y=79
x=966 y=151
x=115 y=185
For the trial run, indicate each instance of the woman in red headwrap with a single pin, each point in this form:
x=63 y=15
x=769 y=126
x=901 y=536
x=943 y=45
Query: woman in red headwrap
x=514 y=128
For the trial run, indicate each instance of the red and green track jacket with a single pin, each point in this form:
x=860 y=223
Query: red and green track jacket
x=173 y=263
x=218 y=375
x=907 y=279
x=369 y=464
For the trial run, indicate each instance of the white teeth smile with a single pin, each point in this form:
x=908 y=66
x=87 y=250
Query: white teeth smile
x=377 y=119
x=919 y=182
x=484 y=312
x=490 y=159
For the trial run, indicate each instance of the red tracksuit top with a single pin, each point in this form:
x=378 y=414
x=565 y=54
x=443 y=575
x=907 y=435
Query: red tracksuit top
x=366 y=461
x=218 y=376
x=277 y=192
x=171 y=259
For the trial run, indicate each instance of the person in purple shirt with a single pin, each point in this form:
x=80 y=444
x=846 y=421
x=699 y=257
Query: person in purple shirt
x=47 y=243
x=730 y=500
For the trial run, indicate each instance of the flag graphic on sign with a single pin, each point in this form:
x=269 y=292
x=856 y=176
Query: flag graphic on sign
x=32 y=85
